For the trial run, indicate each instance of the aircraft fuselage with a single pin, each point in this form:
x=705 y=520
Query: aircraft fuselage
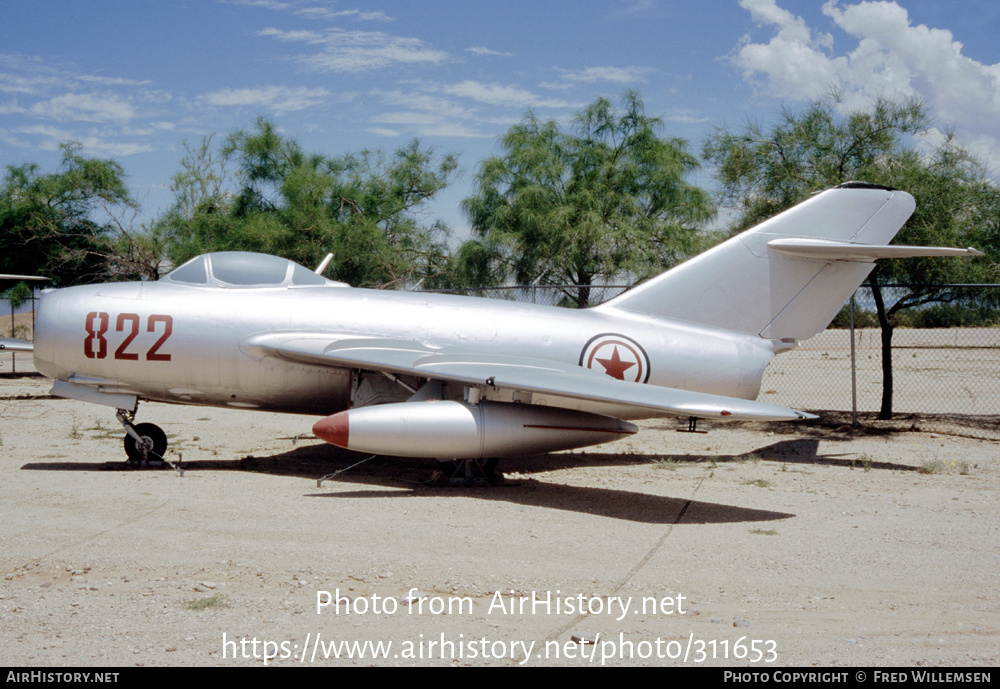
x=188 y=344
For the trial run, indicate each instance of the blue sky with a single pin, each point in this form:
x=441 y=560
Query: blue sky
x=134 y=80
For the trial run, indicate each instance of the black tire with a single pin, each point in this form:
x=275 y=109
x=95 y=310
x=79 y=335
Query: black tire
x=154 y=433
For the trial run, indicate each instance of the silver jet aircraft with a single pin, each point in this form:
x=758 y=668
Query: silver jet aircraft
x=449 y=377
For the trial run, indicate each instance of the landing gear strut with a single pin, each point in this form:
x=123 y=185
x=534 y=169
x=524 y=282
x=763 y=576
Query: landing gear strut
x=469 y=472
x=145 y=443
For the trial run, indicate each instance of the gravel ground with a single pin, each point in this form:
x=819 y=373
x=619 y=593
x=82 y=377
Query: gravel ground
x=755 y=546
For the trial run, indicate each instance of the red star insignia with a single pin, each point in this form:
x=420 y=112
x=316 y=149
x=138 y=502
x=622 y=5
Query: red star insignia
x=614 y=366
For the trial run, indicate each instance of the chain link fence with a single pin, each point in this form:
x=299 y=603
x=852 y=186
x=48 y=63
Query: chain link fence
x=547 y=295
x=945 y=378
x=17 y=323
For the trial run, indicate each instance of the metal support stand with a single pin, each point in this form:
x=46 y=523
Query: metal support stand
x=470 y=472
x=692 y=426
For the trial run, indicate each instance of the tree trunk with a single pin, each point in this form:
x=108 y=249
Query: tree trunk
x=887 y=326
x=583 y=281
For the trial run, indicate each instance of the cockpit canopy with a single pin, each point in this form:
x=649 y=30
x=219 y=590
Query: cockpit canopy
x=243 y=269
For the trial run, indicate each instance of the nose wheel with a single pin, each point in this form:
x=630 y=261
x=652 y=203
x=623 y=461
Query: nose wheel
x=145 y=443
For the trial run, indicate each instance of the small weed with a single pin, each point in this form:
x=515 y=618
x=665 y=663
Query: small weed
x=74 y=430
x=931 y=466
x=963 y=467
x=764 y=532
x=760 y=483
x=216 y=601
x=668 y=464
x=865 y=461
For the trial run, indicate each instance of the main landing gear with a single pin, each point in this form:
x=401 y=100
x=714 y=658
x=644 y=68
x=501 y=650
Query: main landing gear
x=469 y=472
x=145 y=443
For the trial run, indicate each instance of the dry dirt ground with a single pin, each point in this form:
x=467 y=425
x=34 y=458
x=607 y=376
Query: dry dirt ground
x=754 y=546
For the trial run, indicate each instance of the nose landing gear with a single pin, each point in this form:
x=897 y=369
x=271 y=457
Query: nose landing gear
x=145 y=443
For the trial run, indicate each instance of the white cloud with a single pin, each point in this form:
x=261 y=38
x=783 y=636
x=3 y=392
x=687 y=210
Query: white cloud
x=46 y=131
x=114 y=149
x=500 y=94
x=87 y=107
x=794 y=62
x=15 y=83
x=427 y=101
x=892 y=57
x=480 y=50
x=382 y=131
x=619 y=75
x=279 y=99
x=685 y=117
x=110 y=81
x=12 y=109
x=427 y=113
x=52 y=137
x=292 y=36
x=314 y=11
x=453 y=130
x=408 y=118
x=358 y=51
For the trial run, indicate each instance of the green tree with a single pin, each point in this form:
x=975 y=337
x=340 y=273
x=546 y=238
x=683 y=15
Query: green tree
x=362 y=207
x=764 y=172
x=606 y=201
x=202 y=179
x=73 y=225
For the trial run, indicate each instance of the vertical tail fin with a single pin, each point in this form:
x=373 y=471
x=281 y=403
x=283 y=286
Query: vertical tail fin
x=787 y=277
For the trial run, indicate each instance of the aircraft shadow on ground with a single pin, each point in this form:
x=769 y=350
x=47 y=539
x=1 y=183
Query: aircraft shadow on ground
x=401 y=477
x=406 y=477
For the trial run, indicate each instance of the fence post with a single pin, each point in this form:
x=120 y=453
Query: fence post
x=854 y=373
x=13 y=356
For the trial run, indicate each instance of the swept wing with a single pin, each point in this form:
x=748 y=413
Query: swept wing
x=543 y=376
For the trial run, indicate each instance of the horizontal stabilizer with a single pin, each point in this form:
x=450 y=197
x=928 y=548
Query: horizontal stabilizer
x=825 y=250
